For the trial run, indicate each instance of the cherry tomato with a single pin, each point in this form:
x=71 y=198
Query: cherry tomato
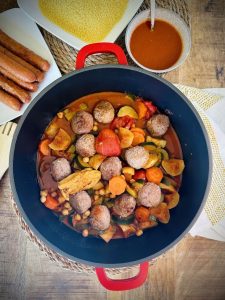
x=125 y=122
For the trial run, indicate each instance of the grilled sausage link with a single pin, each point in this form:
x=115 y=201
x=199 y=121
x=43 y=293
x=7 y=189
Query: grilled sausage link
x=10 y=100
x=13 y=89
x=39 y=74
x=23 y=52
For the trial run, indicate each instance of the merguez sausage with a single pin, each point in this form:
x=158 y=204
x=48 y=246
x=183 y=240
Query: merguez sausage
x=13 y=89
x=14 y=67
x=39 y=74
x=10 y=100
x=30 y=86
x=23 y=52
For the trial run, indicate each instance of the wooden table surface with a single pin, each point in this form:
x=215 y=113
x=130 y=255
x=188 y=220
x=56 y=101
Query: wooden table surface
x=194 y=269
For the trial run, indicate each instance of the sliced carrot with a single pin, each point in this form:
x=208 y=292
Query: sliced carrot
x=154 y=174
x=51 y=202
x=138 y=139
x=117 y=185
x=141 y=109
x=44 y=148
x=142 y=214
x=138 y=130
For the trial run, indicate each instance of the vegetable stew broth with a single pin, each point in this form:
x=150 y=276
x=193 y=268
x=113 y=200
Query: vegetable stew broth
x=48 y=184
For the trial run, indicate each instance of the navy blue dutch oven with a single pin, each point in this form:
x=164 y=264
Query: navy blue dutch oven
x=119 y=252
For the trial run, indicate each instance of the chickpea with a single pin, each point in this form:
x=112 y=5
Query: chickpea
x=85 y=159
x=61 y=199
x=95 y=128
x=77 y=217
x=139 y=232
x=102 y=192
x=43 y=199
x=65 y=212
x=67 y=205
x=53 y=194
x=85 y=233
x=95 y=123
x=96 y=197
x=87 y=213
x=43 y=193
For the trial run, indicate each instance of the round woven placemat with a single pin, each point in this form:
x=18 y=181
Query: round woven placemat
x=65 y=55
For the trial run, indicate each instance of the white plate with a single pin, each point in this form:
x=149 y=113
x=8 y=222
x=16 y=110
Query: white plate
x=32 y=9
x=17 y=25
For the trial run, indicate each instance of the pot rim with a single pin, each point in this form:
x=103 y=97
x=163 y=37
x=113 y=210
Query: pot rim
x=39 y=235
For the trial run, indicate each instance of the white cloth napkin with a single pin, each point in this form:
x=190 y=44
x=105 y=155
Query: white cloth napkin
x=211 y=103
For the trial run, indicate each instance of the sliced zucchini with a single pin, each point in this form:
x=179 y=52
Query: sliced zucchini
x=81 y=163
x=142 y=181
x=71 y=149
x=153 y=159
x=123 y=221
x=173 y=167
x=172 y=200
x=149 y=146
x=158 y=142
x=127 y=111
x=131 y=191
x=159 y=161
x=137 y=185
x=165 y=155
x=96 y=160
x=109 y=202
x=75 y=165
x=169 y=188
x=169 y=181
x=130 y=96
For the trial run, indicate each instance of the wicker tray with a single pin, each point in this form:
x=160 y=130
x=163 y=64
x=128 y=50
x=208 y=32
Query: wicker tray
x=65 y=57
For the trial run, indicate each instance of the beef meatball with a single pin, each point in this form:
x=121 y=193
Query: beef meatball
x=104 y=112
x=158 y=125
x=150 y=195
x=100 y=217
x=85 y=145
x=124 y=205
x=137 y=157
x=110 y=167
x=60 y=168
x=80 y=201
x=82 y=122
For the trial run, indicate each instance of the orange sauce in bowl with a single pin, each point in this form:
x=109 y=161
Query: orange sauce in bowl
x=156 y=49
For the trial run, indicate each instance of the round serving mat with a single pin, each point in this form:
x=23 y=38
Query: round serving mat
x=65 y=55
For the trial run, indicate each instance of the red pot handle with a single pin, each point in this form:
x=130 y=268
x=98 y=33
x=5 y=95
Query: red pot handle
x=123 y=284
x=100 y=48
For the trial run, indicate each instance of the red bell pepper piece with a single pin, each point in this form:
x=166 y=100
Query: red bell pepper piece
x=140 y=174
x=125 y=122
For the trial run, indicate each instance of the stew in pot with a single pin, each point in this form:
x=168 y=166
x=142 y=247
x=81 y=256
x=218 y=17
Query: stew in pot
x=110 y=165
